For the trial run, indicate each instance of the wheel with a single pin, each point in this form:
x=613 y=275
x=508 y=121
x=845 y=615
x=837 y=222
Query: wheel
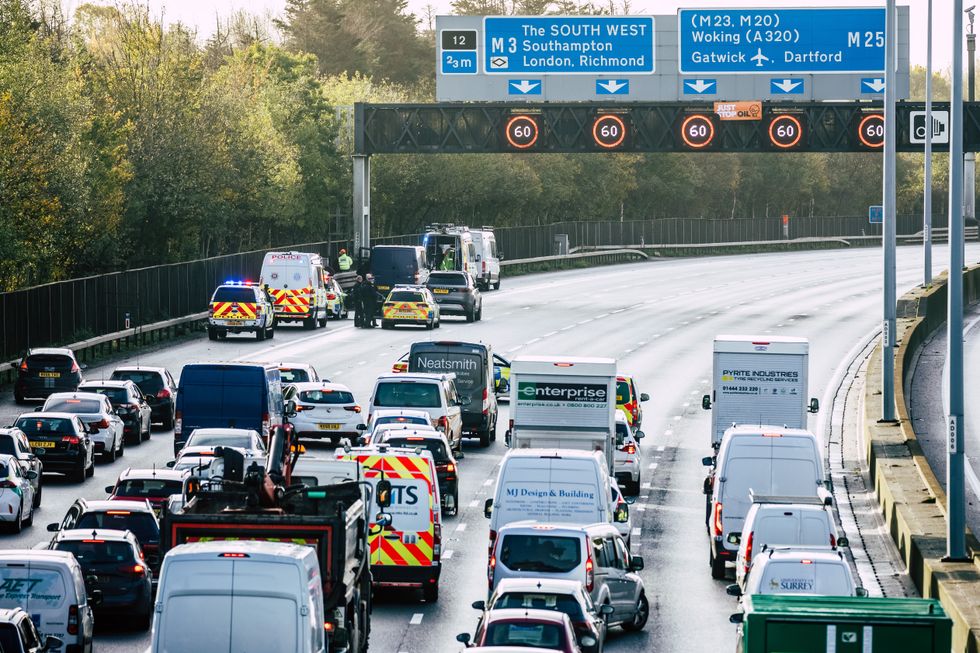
x=633 y=487
x=18 y=525
x=19 y=399
x=496 y=286
x=109 y=454
x=354 y=634
x=485 y=438
x=431 y=324
x=212 y=334
x=145 y=435
x=79 y=474
x=145 y=621
x=640 y=616
x=438 y=323
x=37 y=496
x=385 y=324
x=718 y=570
x=431 y=592
x=456 y=503
x=30 y=517
x=90 y=472
x=222 y=335
x=310 y=323
x=168 y=421
x=260 y=334
x=471 y=315
x=122 y=448
x=271 y=332
x=479 y=313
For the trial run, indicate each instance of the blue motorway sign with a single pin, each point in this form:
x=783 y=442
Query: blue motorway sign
x=458 y=63
x=876 y=214
x=833 y=40
x=594 y=45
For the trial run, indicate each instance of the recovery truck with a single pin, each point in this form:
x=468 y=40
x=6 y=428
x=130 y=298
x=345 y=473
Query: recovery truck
x=257 y=504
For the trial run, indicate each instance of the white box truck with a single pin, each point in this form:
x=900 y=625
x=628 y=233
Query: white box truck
x=759 y=380
x=563 y=403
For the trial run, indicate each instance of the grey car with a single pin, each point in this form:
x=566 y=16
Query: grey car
x=457 y=294
x=14 y=442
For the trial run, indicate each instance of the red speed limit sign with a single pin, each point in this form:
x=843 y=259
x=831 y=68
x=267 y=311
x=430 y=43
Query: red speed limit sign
x=785 y=131
x=697 y=131
x=522 y=132
x=871 y=131
x=609 y=131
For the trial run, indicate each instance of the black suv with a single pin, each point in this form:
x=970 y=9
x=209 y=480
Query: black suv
x=157 y=385
x=134 y=516
x=456 y=294
x=43 y=372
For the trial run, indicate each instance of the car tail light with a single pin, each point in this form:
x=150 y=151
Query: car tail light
x=163 y=394
x=301 y=407
x=266 y=424
x=833 y=541
x=484 y=266
x=331 y=296
x=102 y=424
x=232 y=555
x=452 y=468
x=630 y=448
x=135 y=570
x=23 y=365
x=717 y=521
x=355 y=408
x=436 y=542
x=589 y=574
x=7 y=484
x=493 y=540
x=178 y=422
x=70 y=439
x=75 y=368
x=73 y=620
x=748 y=552
x=443 y=422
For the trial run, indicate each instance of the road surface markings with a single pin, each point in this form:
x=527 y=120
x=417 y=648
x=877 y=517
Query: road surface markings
x=661 y=447
x=447 y=554
x=678 y=417
x=488 y=482
x=636 y=532
x=474 y=503
x=549 y=334
x=416 y=619
x=362 y=362
x=514 y=348
x=668 y=433
x=652 y=466
x=645 y=486
x=532 y=341
x=570 y=326
x=461 y=527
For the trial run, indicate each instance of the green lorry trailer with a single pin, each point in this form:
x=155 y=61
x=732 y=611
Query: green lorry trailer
x=841 y=624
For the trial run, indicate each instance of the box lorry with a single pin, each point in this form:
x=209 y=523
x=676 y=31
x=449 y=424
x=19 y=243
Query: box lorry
x=772 y=623
x=563 y=403
x=758 y=380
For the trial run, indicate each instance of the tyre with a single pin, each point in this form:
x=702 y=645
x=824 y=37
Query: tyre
x=19 y=399
x=438 y=323
x=471 y=315
x=260 y=334
x=270 y=332
x=640 y=616
x=168 y=421
x=496 y=286
x=485 y=438
x=310 y=323
x=222 y=335
x=122 y=448
x=79 y=474
x=145 y=435
x=212 y=334
x=718 y=571
x=144 y=621
x=431 y=592
x=431 y=324
x=385 y=324
x=633 y=487
x=90 y=472
x=479 y=313
x=109 y=454
x=30 y=517
x=17 y=525
x=37 y=496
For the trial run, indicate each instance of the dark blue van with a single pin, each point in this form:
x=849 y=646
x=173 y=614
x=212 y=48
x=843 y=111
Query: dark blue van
x=228 y=395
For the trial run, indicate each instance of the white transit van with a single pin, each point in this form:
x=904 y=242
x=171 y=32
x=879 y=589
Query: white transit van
x=49 y=586
x=239 y=597
x=757 y=460
x=487 y=258
x=549 y=485
x=758 y=380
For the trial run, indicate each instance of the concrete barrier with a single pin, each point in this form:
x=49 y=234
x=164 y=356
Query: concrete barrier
x=911 y=498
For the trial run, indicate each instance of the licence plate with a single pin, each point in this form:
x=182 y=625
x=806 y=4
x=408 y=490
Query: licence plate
x=441 y=291
x=49 y=375
x=234 y=322
x=41 y=444
x=328 y=427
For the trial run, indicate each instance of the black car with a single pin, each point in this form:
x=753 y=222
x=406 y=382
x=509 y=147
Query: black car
x=130 y=404
x=134 y=516
x=14 y=442
x=457 y=294
x=442 y=456
x=61 y=441
x=42 y=372
x=112 y=563
x=159 y=388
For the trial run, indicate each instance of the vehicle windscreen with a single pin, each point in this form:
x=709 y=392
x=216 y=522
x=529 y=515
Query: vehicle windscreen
x=219 y=440
x=142 y=524
x=407 y=395
x=541 y=601
x=394 y=264
x=48 y=360
x=45 y=425
x=149 y=382
x=622 y=432
x=9 y=638
x=7 y=445
x=148 y=488
x=447 y=279
x=622 y=392
x=769 y=476
x=468 y=367
x=405 y=296
x=293 y=375
x=524 y=633
x=97 y=552
x=81 y=406
x=115 y=395
x=326 y=397
x=398 y=419
x=436 y=447
x=240 y=295
x=540 y=553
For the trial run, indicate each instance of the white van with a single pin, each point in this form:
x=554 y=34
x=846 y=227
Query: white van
x=487 y=258
x=760 y=460
x=550 y=485
x=801 y=571
x=239 y=597
x=49 y=586
x=312 y=471
x=296 y=283
x=434 y=393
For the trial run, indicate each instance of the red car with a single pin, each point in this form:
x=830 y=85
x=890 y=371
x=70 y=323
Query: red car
x=536 y=629
x=153 y=485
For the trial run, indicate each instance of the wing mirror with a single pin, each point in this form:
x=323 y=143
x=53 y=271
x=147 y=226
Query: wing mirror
x=860 y=591
x=383 y=492
x=639 y=435
x=463 y=638
x=479 y=605
x=109 y=489
x=706 y=402
x=842 y=541
x=289 y=409
x=382 y=520
x=735 y=538
x=708 y=461
x=52 y=643
x=588 y=641
x=636 y=563
x=30 y=474
x=736 y=618
x=53 y=528
x=733 y=590
x=95 y=598
x=361 y=427
x=814 y=405
x=171 y=463
x=622 y=514
x=488 y=508
x=644 y=396
x=93 y=429
x=605 y=609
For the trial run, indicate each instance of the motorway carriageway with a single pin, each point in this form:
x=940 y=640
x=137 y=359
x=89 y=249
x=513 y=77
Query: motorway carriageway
x=658 y=319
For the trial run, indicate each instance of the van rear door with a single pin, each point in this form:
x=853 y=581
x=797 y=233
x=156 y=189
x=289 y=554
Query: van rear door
x=549 y=490
x=41 y=590
x=265 y=613
x=190 y=589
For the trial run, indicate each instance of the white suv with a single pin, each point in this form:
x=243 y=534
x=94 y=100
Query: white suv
x=96 y=412
x=326 y=410
x=434 y=393
x=626 y=466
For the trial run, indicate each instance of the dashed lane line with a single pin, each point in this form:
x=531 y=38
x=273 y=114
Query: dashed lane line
x=416 y=619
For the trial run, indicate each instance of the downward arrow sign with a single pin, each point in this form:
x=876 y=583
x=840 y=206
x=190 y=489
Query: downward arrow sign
x=786 y=85
x=699 y=85
x=525 y=86
x=877 y=84
x=613 y=85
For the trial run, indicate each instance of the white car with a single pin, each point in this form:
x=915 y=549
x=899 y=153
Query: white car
x=383 y=432
x=626 y=464
x=96 y=412
x=434 y=393
x=326 y=410
x=399 y=416
x=800 y=571
x=16 y=493
x=298 y=373
x=779 y=522
x=198 y=456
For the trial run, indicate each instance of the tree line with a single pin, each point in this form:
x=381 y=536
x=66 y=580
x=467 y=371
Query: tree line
x=125 y=142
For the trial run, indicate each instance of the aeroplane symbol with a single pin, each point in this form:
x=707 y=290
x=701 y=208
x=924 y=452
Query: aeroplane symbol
x=759 y=58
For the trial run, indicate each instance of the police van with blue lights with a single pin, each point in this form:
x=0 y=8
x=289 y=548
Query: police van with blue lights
x=241 y=307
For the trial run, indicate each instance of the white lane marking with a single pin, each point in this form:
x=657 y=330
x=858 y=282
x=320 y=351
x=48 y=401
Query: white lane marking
x=678 y=417
x=416 y=619
x=584 y=321
x=549 y=334
x=642 y=342
x=652 y=466
x=601 y=315
x=661 y=448
x=645 y=486
x=629 y=351
x=686 y=404
x=487 y=482
x=337 y=372
x=461 y=527
x=532 y=341
x=514 y=348
x=636 y=532
x=570 y=326
x=474 y=503
x=447 y=554
x=668 y=433
x=618 y=310
x=645 y=497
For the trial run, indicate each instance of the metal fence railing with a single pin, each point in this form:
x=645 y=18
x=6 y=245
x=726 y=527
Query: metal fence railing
x=76 y=309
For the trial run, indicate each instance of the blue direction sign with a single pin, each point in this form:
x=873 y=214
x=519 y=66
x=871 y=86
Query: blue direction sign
x=612 y=87
x=603 y=45
x=700 y=86
x=524 y=87
x=876 y=214
x=458 y=63
x=833 y=40
x=872 y=84
x=787 y=86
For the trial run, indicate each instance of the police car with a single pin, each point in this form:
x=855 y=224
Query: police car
x=241 y=307
x=407 y=304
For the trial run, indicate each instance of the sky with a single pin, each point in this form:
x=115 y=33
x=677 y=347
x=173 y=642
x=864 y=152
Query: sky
x=203 y=15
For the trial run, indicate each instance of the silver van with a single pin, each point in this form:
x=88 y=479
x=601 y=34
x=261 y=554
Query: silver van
x=487 y=258
x=760 y=460
x=594 y=555
x=49 y=586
